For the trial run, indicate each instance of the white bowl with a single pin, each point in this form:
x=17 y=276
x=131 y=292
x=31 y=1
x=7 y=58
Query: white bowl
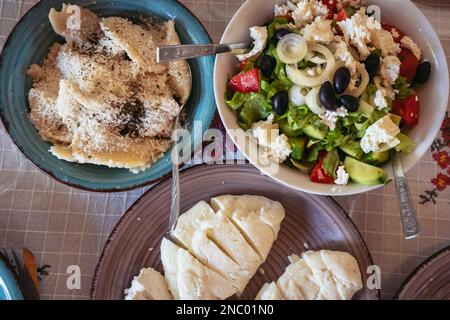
x=434 y=95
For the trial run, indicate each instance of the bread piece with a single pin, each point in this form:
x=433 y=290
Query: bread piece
x=189 y=279
x=148 y=285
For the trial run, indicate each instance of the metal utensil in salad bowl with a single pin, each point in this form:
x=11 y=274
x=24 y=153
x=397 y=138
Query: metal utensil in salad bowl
x=189 y=51
x=410 y=222
x=434 y=92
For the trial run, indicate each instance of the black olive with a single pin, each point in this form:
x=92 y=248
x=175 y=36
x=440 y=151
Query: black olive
x=267 y=64
x=372 y=64
x=280 y=103
x=349 y=102
x=327 y=97
x=280 y=33
x=423 y=73
x=341 y=79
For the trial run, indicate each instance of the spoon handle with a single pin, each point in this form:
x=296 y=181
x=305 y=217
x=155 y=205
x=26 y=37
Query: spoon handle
x=410 y=222
x=181 y=52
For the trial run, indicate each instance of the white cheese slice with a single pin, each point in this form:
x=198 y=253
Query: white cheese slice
x=270 y=291
x=148 y=285
x=189 y=279
x=269 y=211
x=319 y=275
x=258 y=218
x=218 y=244
x=337 y=272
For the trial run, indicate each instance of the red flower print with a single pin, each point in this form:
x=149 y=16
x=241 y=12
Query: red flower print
x=441 y=181
x=446 y=124
x=442 y=158
x=446 y=136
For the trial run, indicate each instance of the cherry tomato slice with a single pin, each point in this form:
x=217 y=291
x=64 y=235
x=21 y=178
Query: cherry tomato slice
x=318 y=174
x=409 y=64
x=408 y=109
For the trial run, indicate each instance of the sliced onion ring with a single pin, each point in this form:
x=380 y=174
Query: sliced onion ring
x=292 y=48
x=313 y=103
x=302 y=79
x=365 y=79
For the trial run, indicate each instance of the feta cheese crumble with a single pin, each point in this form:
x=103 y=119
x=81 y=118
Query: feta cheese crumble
x=281 y=10
x=390 y=69
x=307 y=11
x=260 y=36
x=383 y=40
x=319 y=30
x=380 y=100
x=265 y=131
x=357 y=31
x=409 y=43
x=268 y=136
x=280 y=148
x=330 y=118
x=381 y=132
x=342 y=176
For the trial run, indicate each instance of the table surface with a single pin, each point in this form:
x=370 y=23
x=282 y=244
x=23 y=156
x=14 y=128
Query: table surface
x=65 y=226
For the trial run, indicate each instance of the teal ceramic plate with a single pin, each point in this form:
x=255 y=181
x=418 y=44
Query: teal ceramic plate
x=9 y=290
x=29 y=43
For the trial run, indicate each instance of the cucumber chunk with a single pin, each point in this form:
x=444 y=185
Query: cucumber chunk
x=353 y=149
x=364 y=173
x=315 y=133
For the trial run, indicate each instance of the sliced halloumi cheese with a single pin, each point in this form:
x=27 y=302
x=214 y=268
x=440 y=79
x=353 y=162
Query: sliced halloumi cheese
x=189 y=279
x=269 y=211
x=218 y=244
x=338 y=273
x=257 y=217
x=298 y=283
x=319 y=275
x=270 y=291
x=148 y=285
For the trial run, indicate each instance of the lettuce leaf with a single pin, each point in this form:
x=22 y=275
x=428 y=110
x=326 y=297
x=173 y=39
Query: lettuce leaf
x=255 y=108
x=275 y=25
x=401 y=84
x=300 y=117
x=331 y=162
x=237 y=101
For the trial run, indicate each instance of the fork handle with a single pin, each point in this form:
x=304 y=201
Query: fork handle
x=408 y=214
x=189 y=51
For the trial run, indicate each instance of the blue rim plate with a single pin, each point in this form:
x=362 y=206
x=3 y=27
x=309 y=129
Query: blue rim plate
x=29 y=43
x=9 y=290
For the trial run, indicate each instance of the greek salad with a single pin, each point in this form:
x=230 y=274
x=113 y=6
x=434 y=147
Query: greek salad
x=329 y=90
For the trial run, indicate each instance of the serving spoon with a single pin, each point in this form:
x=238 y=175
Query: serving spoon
x=189 y=51
x=410 y=222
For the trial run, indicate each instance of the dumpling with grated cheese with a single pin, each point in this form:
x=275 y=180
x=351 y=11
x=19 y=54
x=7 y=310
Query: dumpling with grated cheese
x=101 y=98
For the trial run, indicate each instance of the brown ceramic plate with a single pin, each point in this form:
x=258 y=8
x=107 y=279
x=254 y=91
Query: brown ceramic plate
x=311 y=223
x=430 y=281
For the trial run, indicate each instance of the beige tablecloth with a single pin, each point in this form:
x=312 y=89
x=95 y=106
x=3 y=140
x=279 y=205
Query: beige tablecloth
x=64 y=226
